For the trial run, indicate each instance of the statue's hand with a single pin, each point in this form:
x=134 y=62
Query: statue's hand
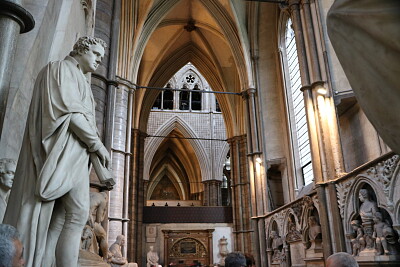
x=104 y=157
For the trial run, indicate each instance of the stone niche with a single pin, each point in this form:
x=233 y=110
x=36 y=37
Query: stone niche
x=185 y=248
x=369 y=206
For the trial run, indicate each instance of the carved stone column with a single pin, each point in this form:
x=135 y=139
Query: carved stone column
x=14 y=19
x=137 y=191
x=323 y=131
x=259 y=201
x=241 y=195
x=119 y=152
x=212 y=193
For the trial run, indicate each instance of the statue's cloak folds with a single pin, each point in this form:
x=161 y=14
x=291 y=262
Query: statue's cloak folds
x=366 y=37
x=54 y=153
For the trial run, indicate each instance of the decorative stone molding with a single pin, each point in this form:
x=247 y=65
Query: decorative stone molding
x=297 y=210
x=383 y=173
x=342 y=190
x=293 y=234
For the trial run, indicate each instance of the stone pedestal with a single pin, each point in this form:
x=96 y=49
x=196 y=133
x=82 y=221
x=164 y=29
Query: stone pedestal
x=382 y=260
x=89 y=259
x=314 y=255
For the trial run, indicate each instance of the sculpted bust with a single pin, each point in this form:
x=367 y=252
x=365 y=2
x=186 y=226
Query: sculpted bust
x=7 y=170
x=368 y=206
x=314 y=231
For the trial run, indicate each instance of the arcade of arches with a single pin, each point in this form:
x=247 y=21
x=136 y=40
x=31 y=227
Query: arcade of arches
x=231 y=125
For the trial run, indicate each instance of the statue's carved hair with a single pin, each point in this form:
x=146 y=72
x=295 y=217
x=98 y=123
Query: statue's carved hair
x=5 y=161
x=83 y=44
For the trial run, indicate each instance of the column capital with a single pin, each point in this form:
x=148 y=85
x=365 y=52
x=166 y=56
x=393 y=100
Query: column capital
x=250 y=92
x=126 y=83
x=294 y=4
x=19 y=14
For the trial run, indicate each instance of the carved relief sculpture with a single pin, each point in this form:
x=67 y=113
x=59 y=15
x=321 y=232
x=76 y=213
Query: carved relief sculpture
x=277 y=245
x=358 y=242
x=292 y=235
x=367 y=210
x=383 y=234
x=97 y=214
x=314 y=231
x=315 y=238
x=223 y=250
x=7 y=170
x=117 y=260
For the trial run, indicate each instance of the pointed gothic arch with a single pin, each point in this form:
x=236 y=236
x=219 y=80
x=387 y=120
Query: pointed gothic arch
x=177 y=123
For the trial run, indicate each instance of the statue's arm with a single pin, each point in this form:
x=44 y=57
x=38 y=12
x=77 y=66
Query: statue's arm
x=85 y=132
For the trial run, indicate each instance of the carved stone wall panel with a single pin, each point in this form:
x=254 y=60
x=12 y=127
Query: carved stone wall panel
x=370 y=217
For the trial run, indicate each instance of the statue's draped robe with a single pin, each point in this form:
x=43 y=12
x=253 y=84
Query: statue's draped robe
x=3 y=202
x=366 y=37
x=60 y=133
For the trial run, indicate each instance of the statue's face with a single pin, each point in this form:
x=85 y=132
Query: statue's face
x=7 y=177
x=91 y=60
x=361 y=197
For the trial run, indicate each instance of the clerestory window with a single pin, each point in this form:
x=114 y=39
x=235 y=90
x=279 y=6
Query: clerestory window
x=296 y=109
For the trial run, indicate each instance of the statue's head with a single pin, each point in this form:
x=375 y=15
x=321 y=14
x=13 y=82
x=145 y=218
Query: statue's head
x=363 y=195
x=151 y=248
x=89 y=52
x=120 y=240
x=7 y=171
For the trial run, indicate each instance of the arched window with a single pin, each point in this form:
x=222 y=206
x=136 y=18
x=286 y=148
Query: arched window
x=217 y=107
x=184 y=99
x=157 y=102
x=168 y=99
x=196 y=99
x=296 y=109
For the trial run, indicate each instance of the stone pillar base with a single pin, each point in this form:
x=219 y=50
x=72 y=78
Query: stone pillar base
x=89 y=259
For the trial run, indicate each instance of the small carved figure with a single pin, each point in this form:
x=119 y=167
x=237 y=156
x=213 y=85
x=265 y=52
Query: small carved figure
x=358 y=242
x=223 y=250
x=314 y=231
x=98 y=208
x=367 y=210
x=152 y=257
x=276 y=245
x=86 y=238
x=7 y=171
x=381 y=231
x=368 y=206
x=117 y=260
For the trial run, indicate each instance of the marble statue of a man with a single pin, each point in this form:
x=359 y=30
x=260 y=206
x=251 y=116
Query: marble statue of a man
x=117 y=260
x=49 y=202
x=7 y=170
x=152 y=257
